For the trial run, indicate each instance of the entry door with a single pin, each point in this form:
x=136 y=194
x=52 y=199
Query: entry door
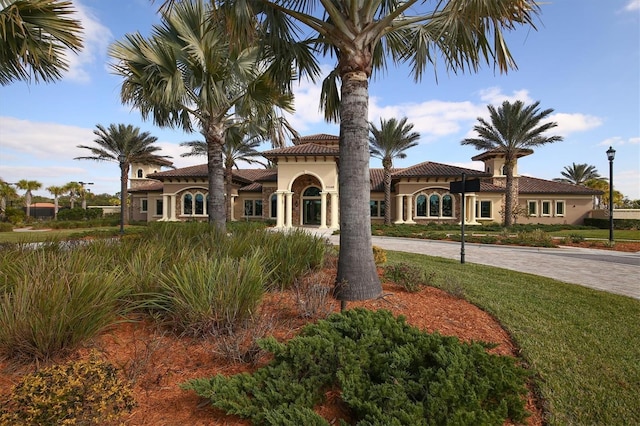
x=311 y=212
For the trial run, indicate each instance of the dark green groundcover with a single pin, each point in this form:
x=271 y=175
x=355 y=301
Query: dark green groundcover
x=386 y=371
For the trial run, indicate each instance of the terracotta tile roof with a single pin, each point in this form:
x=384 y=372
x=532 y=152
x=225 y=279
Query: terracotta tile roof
x=498 y=152
x=199 y=170
x=429 y=168
x=254 y=187
x=305 y=149
x=530 y=185
x=320 y=137
x=254 y=175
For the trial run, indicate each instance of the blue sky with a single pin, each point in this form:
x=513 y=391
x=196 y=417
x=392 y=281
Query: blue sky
x=583 y=62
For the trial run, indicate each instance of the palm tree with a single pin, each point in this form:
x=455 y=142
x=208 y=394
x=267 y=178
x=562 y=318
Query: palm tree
x=28 y=186
x=363 y=37
x=236 y=148
x=391 y=141
x=34 y=36
x=190 y=72
x=578 y=174
x=7 y=192
x=56 y=191
x=124 y=144
x=513 y=127
x=73 y=189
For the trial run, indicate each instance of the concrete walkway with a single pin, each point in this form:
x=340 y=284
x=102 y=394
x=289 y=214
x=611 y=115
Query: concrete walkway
x=611 y=271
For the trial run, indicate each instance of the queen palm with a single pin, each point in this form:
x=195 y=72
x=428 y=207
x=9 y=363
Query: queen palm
x=28 y=186
x=364 y=36
x=33 y=38
x=512 y=128
x=388 y=142
x=56 y=191
x=73 y=189
x=7 y=192
x=189 y=73
x=578 y=174
x=124 y=144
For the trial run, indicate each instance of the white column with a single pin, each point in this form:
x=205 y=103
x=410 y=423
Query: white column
x=323 y=210
x=279 y=209
x=410 y=209
x=233 y=205
x=399 y=205
x=172 y=207
x=165 y=207
x=335 y=224
x=288 y=197
x=472 y=209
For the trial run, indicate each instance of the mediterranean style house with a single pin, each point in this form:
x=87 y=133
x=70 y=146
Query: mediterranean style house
x=302 y=190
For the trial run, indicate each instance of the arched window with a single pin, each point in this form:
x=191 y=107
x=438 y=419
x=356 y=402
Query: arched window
x=140 y=173
x=274 y=205
x=187 y=204
x=434 y=205
x=447 y=205
x=421 y=205
x=312 y=191
x=199 y=203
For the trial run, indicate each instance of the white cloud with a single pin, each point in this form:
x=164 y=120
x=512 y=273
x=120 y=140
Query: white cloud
x=632 y=5
x=494 y=96
x=570 y=123
x=96 y=37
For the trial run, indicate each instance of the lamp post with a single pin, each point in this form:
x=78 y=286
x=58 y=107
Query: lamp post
x=611 y=154
x=121 y=159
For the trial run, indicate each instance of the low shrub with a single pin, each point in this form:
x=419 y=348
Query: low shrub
x=6 y=227
x=410 y=277
x=384 y=371
x=379 y=256
x=77 y=393
x=575 y=238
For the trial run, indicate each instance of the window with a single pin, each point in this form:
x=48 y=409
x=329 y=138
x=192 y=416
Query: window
x=421 y=205
x=377 y=208
x=253 y=208
x=187 y=204
x=144 y=205
x=434 y=205
x=140 y=173
x=546 y=208
x=199 y=205
x=274 y=205
x=447 y=206
x=483 y=209
x=559 y=208
x=532 y=208
x=158 y=207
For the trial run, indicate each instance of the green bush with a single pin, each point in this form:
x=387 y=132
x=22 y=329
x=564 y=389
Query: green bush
x=575 y=238
x=78 y=213
x=617 y=223
x=379 y=256
x=77 y=393
x=15 y=216
x=205 y=295
x=386 y=372
x=411 y=277
x=6 y=227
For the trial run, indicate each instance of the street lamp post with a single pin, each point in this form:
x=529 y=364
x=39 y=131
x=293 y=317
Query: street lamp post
x=611 y=154
x=121 y=159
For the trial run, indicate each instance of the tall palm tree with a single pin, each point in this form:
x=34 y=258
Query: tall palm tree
x=364 y=36
x=578 y=174
x=28 y=186
x=190 y=73
x=34 y=35
x=124 y=144
x=391 y=141
x=512 y=128
x=73 y=189
x=56 y=191
x=7 y=192
x=237 y=148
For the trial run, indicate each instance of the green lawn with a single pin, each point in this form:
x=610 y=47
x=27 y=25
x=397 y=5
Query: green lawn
x=33 y=236
x=601 y=234
x=582 y=345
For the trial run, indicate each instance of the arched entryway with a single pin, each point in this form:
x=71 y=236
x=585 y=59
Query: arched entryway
x=311 y=206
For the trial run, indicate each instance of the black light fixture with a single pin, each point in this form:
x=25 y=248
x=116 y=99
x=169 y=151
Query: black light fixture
x=611 y=154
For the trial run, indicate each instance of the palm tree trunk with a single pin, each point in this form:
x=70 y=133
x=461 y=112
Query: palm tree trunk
x=215 y=170
x=27 y=201
x=509 y=195
x=357 y=278
x=387 y=192
x=55 y=207
x=228 y=177
x=124 y=184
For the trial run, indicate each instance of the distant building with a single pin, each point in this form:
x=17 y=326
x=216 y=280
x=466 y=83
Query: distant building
x=302 y=190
